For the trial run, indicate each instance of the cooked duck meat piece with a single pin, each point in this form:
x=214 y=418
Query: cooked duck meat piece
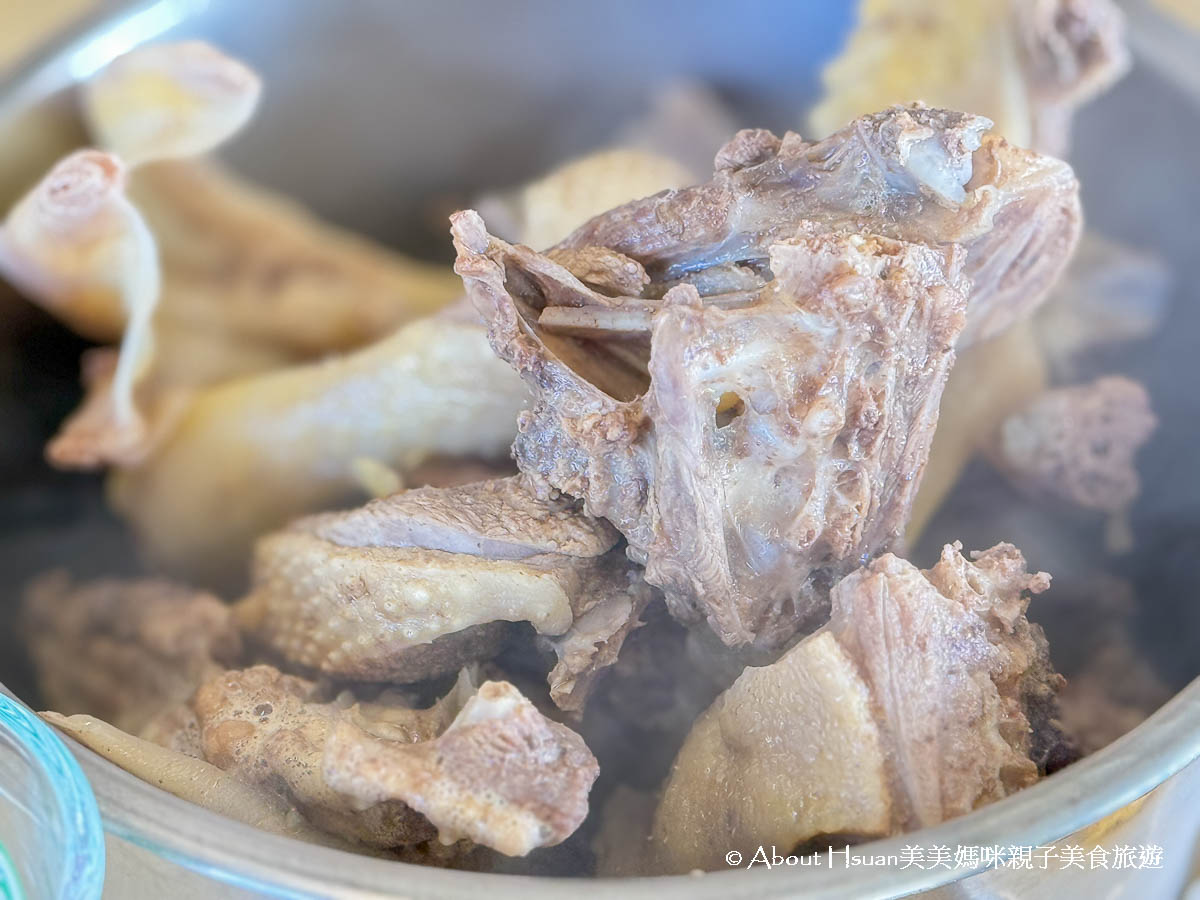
x=287 y=440
x=924 y=175
x=500 y=774
x=482 y=763
x=1071 y=52
x=415 y=585
x=77 y=243
x=249 y=284
x=480 y=766
x=259 y=725
x=775 y=446
x=241 y=262
x=927 y=695
x=452 y=471
x=498 y=519
x=1025 y=64
x=641 y=444
x=125 y=650
x=190 y=778
x=1077 y=444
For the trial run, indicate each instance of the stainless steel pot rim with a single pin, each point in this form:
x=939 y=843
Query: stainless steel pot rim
x=235 y=853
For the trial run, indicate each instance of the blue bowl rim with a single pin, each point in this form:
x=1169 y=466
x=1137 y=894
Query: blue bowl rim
x=84 y=854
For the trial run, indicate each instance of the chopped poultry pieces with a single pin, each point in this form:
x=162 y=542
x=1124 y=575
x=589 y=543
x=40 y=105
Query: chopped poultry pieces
x=385 y=775
x=501 y=774
x=287 y=440
x=259 y=726
x=249 y=283
x=1078 y=443
x=916 y=174
x=411 y=586
x=733 y=528
x=252 y=283
x=734 y=395
x=246 y=281
x=497 y=519
x=480 y=764
x=1026 y=64
x=840 y=364
x=125 y=650
x=240 y=262
x=927 y=695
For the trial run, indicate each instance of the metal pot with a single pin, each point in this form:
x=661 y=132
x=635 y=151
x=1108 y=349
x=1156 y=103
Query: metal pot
x=378 y=114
